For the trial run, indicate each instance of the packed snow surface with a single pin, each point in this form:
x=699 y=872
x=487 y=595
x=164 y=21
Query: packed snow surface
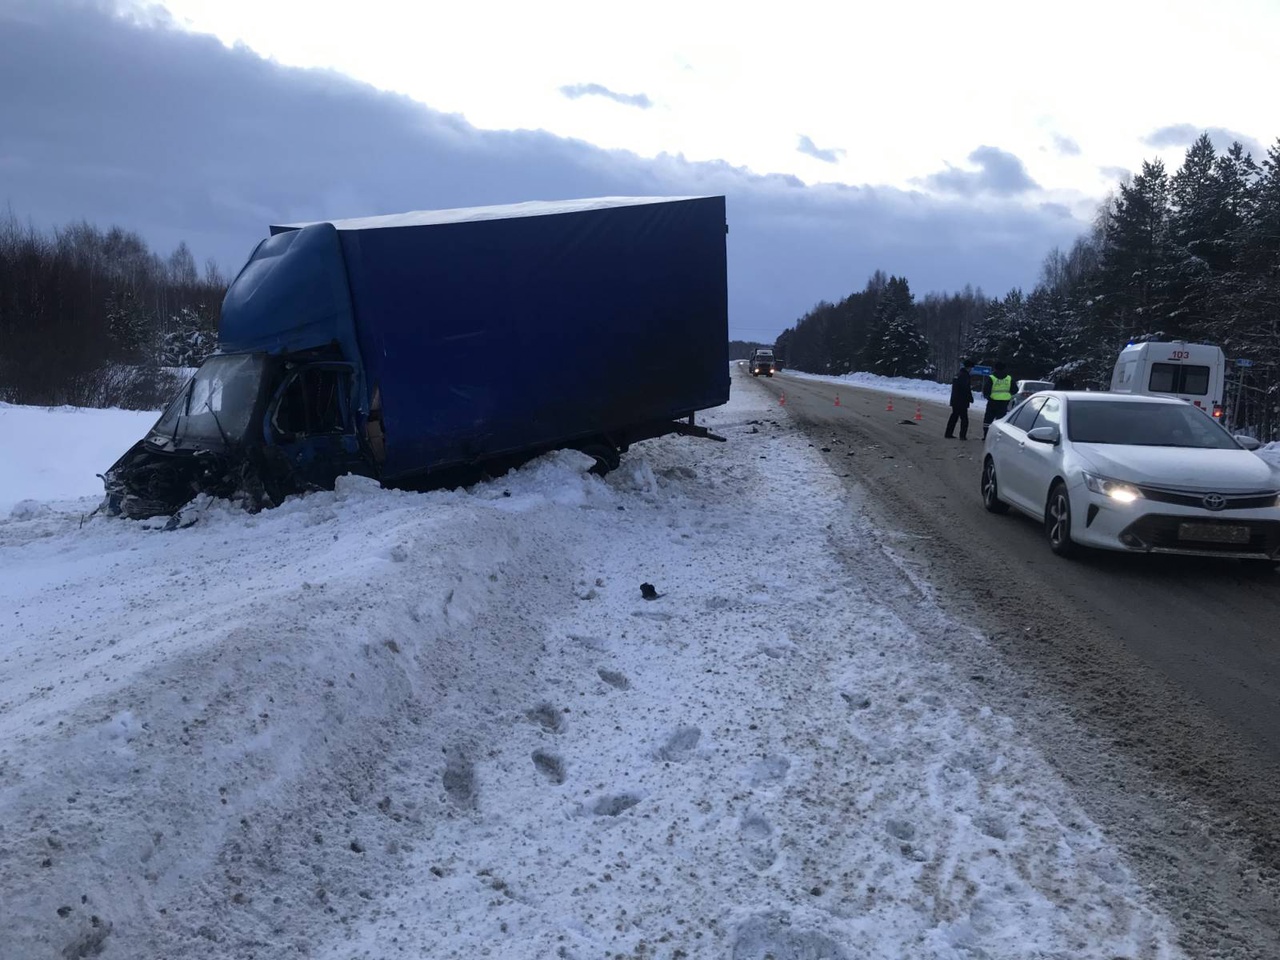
x=377 y=724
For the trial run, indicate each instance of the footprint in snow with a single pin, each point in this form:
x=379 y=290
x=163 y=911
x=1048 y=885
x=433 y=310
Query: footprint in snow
x=856 y=702
x=679 y=745
x=755 y=827
x=768 y=770
x=612 y=806
x=614 y=679
x=992 y=826
x=905 y=832
x=773 y=936
x=901 y=829
x=975 y=761
x=547 y=717
x=550 y=766
x=460 y=781
x=756 y=834
x=590 y=642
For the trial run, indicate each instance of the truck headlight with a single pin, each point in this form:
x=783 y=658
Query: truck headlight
x=1115 y=489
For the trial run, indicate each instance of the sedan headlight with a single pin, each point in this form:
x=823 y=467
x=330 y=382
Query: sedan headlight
x=1115 y=489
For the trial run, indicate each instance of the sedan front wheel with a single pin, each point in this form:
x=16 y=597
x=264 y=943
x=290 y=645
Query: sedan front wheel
x=991 y=489
x=1057 y=521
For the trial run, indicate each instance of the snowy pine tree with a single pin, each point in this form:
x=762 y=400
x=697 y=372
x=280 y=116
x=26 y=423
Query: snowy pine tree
x=190 y=336
x=896 y=347
x=1020 y=332
x=903 y=351
x=130 y=332
x=1132 y=296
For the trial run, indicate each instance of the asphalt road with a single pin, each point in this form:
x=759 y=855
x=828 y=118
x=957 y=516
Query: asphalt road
x=1153 y=683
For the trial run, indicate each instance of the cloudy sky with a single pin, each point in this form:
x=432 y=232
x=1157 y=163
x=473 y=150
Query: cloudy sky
x=952 y=143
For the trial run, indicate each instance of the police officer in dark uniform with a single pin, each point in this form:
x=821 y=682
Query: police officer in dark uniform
x=961 y=399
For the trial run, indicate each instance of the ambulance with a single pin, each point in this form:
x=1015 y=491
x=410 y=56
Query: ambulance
x=1194 y=372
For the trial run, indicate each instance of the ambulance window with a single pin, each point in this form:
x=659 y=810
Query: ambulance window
x=1179 y=378
x=1164 y=378
x=1195 y=380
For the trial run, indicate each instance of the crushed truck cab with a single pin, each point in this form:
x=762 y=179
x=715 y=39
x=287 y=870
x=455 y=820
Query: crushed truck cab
x=431 y=348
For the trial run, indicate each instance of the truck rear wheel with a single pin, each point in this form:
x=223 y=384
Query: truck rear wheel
x=606 y=456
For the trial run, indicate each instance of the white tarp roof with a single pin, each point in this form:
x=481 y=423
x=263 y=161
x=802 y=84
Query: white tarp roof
x=533 y=208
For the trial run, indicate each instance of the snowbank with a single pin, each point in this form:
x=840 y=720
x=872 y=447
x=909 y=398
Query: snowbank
x=1271 y=454
x=371 y=723
x=895 y=386
x=53 y=454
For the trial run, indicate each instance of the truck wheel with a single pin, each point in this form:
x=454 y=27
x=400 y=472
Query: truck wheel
x=606 y=456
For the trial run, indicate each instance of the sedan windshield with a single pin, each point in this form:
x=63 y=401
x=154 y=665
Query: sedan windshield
x=1145 y=425
x=217 y=404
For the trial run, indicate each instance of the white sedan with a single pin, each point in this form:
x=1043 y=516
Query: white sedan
x=1123 y=472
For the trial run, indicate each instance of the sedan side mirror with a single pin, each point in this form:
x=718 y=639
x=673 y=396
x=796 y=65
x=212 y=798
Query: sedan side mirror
x=1049 y=435
x=1249 y=443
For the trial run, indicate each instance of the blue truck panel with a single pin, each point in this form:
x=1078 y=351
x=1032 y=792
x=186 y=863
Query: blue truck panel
x=487 y=336
x=413 y=346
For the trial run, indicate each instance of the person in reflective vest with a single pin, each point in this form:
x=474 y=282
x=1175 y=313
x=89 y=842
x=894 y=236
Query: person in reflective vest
x=998 y=389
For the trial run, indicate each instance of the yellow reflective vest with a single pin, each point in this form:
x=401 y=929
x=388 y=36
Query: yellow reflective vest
x=1001 y=389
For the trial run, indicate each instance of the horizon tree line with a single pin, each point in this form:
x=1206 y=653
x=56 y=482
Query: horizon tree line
x=1193 y=255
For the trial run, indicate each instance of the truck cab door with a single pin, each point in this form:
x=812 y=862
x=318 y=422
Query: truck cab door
x=311 y=427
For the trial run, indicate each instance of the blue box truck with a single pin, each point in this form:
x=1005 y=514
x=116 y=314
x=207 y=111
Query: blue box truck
x=432 y=348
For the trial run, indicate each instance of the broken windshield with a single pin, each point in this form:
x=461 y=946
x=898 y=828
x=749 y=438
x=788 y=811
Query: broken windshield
x=218 y=403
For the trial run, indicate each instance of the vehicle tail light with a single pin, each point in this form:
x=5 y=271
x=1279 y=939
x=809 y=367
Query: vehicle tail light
x=1217 y=411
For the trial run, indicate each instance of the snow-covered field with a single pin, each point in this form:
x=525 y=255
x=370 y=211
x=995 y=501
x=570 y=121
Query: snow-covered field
x=377 y=724
x=53 y=454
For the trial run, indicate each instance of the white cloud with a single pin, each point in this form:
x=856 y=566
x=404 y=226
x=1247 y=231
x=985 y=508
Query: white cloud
x=903 y=79
x=825 y=154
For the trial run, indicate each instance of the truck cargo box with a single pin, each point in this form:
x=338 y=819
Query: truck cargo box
x=492 y=329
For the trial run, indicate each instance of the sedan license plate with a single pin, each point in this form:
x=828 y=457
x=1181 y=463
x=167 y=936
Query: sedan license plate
x=1213 y=533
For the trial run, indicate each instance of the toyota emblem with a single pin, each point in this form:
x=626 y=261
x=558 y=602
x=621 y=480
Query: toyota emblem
x=1214 y=501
